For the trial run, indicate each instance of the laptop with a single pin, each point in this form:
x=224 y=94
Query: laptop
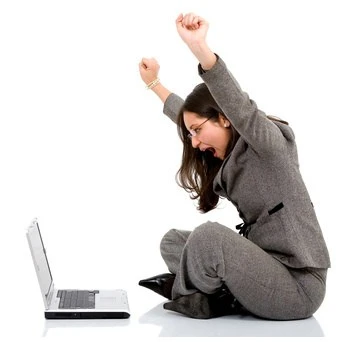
x=72 y=303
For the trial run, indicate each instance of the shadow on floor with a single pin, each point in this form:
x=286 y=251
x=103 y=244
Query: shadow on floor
x=174 y=324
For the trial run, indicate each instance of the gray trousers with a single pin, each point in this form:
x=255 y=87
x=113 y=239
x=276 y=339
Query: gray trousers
x=213 y=255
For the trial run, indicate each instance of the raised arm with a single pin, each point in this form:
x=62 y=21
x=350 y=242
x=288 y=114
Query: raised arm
x=250 y=122
x=193 y=31
x=149 y=69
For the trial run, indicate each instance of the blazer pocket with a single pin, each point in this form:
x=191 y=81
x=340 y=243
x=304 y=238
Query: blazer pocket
x=273 y=232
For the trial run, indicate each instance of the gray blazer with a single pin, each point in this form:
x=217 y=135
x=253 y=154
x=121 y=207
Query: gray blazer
x=261 y=177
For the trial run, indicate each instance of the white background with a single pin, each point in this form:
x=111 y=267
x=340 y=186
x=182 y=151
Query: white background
x=85 y=148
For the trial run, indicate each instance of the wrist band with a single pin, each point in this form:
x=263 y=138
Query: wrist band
x=153 y=83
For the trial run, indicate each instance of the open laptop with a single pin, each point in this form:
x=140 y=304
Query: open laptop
x=68 y=304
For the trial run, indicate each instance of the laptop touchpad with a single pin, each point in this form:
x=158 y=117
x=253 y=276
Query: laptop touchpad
x=107 y=302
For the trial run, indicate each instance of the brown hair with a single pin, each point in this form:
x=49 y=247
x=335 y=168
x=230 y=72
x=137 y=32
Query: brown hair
x=198 y=169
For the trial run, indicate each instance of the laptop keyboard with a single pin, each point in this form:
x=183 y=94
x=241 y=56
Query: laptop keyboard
x=76 y=299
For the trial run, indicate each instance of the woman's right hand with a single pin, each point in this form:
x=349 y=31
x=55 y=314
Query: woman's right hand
x=148 y=68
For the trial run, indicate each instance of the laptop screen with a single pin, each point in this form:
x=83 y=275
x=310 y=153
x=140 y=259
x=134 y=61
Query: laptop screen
x=39 y=258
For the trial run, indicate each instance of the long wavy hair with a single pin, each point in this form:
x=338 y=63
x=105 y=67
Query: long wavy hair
x=198 y=169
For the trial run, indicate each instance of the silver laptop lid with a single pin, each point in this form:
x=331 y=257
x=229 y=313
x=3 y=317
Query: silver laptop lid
x=41 y=263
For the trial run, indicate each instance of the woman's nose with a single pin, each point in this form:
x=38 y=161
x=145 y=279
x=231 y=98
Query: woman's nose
x=195 y=142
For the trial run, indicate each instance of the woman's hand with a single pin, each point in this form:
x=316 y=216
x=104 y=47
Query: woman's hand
x=149 y=68
x=193 y=31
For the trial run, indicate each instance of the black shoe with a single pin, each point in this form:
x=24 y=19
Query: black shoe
x=195 y=305
x=161 y=284
x=223 y=303
x=204 y=306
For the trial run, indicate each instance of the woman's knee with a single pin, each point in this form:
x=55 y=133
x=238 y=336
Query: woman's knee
x=168 y=237
x=171 y=247
x=174 y=238
x=208 y=236
x=210 y=230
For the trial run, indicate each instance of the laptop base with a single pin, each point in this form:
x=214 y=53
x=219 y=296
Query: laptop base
x=86 y=315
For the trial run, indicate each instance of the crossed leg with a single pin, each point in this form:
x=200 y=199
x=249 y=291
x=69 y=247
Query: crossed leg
x=213 y=255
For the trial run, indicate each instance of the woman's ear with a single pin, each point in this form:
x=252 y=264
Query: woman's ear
x=224 y=121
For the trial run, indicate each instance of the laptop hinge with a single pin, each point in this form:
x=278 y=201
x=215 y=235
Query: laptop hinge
x=49 y=295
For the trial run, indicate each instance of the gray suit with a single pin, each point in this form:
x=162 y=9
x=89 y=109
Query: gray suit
x=285 y=251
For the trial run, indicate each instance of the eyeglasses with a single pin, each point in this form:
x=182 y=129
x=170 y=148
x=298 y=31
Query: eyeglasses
x=196 y=131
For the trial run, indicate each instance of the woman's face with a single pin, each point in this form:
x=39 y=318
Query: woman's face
x=211 y=135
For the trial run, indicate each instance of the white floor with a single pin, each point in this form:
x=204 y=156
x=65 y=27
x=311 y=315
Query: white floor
x=165 y=324
x=149 y=320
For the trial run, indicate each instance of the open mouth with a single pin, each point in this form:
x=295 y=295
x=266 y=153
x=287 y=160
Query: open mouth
x=210 y=150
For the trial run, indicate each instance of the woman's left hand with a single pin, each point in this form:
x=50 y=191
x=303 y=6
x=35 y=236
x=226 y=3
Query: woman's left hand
x=192 y=29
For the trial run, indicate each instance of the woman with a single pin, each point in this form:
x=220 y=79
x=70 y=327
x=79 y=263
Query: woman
x=278 y=268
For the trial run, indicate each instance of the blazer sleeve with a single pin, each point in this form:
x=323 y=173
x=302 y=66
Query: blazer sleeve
x=263 y=135
x=172 y=106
